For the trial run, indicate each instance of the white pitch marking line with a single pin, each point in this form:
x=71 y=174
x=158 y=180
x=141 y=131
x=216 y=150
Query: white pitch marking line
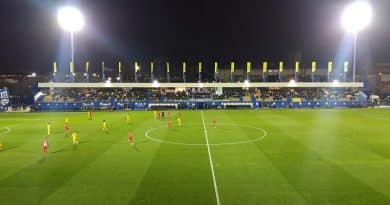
x=147 y=135
x=211 y=160
x=8 y=130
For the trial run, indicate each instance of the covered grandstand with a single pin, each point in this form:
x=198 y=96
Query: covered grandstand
x=143 y=96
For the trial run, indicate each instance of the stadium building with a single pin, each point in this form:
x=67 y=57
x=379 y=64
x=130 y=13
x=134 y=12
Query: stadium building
x=256 y=102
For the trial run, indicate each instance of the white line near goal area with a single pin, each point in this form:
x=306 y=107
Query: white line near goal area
x=211 y=160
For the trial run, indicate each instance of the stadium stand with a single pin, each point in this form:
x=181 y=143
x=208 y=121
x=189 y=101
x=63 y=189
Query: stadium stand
x=226 y=90
x=196 y=98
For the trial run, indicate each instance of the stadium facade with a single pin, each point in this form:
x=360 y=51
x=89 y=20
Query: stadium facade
x=198 y=85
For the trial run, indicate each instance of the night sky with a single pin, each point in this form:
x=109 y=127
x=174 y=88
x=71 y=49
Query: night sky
x=178 y=30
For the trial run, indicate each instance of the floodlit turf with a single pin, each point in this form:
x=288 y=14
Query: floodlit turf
x=338 y=156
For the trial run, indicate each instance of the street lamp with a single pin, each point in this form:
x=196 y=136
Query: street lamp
x=356 y=17
x=71 y=20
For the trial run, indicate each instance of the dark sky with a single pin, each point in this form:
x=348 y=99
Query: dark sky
x=205 y=30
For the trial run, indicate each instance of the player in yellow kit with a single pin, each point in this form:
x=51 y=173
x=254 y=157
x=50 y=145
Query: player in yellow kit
x=128 y=119
x=48 y=129
x=1 y=146
x=155 y=114
x=178 y=118
x=89 y=115
x=179 y=122
x=66 y=120
x=104 y=126
x=75 y=138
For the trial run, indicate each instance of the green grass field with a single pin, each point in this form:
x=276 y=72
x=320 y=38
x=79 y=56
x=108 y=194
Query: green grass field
x=339 y=156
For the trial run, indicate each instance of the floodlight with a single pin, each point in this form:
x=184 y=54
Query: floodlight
x=335 y=83
x=36 y=96
x=356 y=16
x=155 y=84
x=32 y=75
x=246 y=82
x=70 y=19
x=292 y=83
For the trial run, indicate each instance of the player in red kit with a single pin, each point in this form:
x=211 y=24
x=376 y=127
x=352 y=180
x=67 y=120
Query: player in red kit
x=214 y=123
x=131 y=138
x=66 y=129
x=169 y=115
x=45 y=146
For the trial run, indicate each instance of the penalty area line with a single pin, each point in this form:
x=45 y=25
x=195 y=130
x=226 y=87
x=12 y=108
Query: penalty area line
x=210 y=160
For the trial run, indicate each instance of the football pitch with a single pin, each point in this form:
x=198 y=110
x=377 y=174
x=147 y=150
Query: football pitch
x=300 y=156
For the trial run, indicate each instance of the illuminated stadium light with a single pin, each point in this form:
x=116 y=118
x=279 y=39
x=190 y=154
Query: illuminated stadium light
x=38 y=95
x=155 y=84
x=335 y=83
x=70 y=19
x=85 y=74
x=32 y=75
x=356 y=16
x=292 y=83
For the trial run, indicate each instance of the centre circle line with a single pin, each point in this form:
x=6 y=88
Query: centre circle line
x=6 y=128
x=147 y=135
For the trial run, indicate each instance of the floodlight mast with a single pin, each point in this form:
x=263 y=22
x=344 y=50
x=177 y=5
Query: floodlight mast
x=355 y=18
x=72 y=47
x=355 y=35
x=71 y=20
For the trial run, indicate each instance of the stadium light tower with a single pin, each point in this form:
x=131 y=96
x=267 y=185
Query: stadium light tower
x=356 y=17
x=71 y=20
